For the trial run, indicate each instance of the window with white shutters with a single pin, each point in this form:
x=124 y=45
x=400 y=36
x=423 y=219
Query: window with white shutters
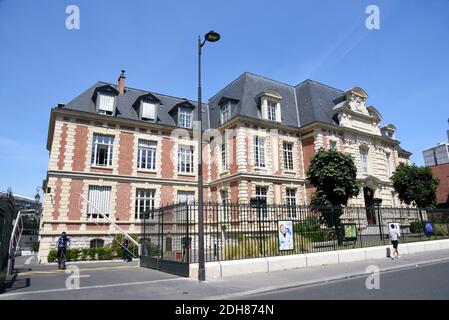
x=146 y=154
x=99 y=198
x=148 y=111
x=106 y=103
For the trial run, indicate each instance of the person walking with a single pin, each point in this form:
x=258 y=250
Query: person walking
x=394 y=236
x=126 y=255
x=428 y=229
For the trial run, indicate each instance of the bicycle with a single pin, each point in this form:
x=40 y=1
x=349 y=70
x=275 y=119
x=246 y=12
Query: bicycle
x=61 y=260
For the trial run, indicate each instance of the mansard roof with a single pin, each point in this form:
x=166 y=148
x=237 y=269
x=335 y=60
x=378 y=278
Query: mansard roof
x=303 y=104
x=125 y=102
x=308 y=102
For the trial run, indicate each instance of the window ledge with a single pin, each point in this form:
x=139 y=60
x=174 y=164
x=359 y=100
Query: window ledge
x=224 y=172
x=260 y=168
x=102 y=167
x=289 y=171
x=147 y=170
x=186 y=174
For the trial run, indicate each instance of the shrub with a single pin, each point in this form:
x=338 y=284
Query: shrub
x=249 y=247
x=416 y=227
x=310 y=224
x=84 y=254
x=72 y=254
x=52 y=255
x=92 y=253
x=105 y=253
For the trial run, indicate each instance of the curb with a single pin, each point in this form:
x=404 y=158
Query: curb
x=322 y=281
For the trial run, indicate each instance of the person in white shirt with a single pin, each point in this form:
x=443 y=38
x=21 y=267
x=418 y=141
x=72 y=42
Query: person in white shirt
x=394 y=236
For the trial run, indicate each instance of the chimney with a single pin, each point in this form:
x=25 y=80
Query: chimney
x=121 y=83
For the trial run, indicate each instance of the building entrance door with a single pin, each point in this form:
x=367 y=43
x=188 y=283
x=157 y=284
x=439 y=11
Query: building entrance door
x=369 y=205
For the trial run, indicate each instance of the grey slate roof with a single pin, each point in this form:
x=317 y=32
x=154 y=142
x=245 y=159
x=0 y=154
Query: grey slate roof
x=85 y=103
x=308 y=102
x=305 y=103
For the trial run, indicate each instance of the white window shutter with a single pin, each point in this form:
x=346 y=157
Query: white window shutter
x=106 y=102
x=148 y=110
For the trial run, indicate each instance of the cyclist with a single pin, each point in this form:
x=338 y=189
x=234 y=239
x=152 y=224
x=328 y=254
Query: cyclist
x=62 y=244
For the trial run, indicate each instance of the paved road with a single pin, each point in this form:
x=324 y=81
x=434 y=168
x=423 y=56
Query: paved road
x=120 y=280
x=422 y=282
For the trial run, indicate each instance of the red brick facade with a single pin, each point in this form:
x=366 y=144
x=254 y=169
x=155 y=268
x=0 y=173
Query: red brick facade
x=80 y=146
x=441 y=172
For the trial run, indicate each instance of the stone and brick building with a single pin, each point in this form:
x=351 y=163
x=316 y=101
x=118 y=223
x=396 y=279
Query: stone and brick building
x=129 y=150
x=437 y=158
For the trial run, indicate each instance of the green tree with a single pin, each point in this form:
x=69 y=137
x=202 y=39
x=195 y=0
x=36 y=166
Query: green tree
x=334 y=175
x=415 y=185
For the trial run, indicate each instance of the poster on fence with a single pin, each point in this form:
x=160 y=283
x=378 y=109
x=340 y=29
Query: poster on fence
x=285 y=229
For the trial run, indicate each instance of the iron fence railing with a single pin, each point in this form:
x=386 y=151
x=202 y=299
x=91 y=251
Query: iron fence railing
x=243 y=231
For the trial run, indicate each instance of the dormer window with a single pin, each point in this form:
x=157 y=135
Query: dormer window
x=185 y=118
x=106 y=102
x=272 y=110
x=148 y=111
x=225 y=111
x=270 y=105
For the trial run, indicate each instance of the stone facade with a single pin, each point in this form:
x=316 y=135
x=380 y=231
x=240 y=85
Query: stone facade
x=71 y=171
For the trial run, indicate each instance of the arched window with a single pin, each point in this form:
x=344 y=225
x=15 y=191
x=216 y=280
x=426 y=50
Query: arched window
x=96 y=243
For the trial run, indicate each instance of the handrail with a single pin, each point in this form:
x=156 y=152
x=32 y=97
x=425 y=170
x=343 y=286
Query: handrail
x=112 y=222
x=14 y=241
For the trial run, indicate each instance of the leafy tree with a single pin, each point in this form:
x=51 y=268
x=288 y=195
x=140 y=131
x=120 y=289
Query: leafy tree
x=415 y=185
x=334 y=175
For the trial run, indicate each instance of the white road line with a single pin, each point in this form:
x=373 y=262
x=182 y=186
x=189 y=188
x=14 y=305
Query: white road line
x=91 y=287
x=28 y=261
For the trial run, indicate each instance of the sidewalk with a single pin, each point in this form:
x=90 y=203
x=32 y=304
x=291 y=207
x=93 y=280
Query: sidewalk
x=239 y=286
x=154 y=285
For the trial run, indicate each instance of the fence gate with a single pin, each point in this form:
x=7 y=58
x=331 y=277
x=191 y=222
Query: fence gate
x=166 y=245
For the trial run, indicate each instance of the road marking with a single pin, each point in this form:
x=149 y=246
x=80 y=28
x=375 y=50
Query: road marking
x=318 y=282
x=5 y=295
x=28 y=273
x=28 y=261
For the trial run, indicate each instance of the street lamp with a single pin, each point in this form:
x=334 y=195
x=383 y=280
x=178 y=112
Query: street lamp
x=211 y=36
x=37 y=197
x=377 y=203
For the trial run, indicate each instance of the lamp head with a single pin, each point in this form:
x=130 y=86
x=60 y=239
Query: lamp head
x=212 y=36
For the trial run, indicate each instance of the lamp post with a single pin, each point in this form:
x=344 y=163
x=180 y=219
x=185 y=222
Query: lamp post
x=377 y=203
x=211 y=36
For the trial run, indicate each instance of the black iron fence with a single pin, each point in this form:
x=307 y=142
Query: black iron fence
x=243 y=231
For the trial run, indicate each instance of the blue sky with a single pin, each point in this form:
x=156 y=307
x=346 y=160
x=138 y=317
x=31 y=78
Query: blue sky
x=403 y=66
